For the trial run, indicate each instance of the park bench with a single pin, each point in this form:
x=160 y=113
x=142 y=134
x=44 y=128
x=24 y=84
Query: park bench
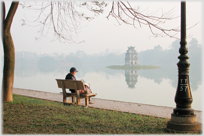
x=76 y=85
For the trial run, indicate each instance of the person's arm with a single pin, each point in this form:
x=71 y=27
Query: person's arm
x=88 y=90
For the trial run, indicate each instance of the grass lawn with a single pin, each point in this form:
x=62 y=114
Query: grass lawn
x=34 y=116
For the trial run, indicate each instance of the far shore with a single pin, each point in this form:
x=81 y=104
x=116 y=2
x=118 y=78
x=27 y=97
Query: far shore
x=134 y=67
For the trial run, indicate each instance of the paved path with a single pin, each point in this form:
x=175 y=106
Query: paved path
x=144 y=109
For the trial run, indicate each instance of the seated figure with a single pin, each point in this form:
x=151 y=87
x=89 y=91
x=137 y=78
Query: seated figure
x=71 y=76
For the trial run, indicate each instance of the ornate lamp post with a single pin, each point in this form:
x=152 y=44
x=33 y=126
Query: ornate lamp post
x=183 y=118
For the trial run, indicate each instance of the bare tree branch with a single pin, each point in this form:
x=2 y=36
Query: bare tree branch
x=128 y=15
x=3 y=17
x=10 y=15
x=64 y=17
x=3 y=10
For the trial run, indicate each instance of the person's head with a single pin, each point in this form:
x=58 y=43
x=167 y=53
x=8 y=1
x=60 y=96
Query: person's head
x=73 y=71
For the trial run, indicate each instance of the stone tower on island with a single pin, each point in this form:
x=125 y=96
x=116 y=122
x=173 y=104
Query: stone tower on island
x=131 y=57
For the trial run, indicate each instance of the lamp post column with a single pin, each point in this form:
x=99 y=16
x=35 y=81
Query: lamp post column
x=183 y=118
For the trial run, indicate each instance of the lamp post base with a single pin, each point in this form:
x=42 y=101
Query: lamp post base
x=183 y=123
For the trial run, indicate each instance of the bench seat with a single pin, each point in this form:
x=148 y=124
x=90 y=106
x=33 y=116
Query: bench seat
x=70 y=94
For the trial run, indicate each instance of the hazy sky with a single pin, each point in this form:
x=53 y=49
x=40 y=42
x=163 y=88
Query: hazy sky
x=101 y=34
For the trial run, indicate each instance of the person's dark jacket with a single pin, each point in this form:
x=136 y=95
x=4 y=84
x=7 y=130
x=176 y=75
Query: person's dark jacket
x=72 y=77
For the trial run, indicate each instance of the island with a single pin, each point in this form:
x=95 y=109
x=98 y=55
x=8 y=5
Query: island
x=131 y=62
x=132 y=67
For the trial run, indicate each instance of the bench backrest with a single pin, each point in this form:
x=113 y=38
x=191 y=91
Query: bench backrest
x=70 y=84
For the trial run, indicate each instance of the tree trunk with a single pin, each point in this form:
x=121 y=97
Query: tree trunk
x=9 y=64
x=9 y=53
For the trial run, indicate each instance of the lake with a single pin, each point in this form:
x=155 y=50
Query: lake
x=154 y=87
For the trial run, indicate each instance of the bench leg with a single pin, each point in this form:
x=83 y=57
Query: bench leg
x=73 y=99
x=78 y=101
x=87 y=101
x=78 y=97
x=64 y=99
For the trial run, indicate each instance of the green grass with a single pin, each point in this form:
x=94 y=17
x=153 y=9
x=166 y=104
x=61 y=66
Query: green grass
x=134 y=67
x=34 y=116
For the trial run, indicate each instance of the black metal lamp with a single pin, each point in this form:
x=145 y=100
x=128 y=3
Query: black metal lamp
x=183 y=118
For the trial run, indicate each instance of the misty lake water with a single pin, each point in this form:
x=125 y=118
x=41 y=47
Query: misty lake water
x=154 y=87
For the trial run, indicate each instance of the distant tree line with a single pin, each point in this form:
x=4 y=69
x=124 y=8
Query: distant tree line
x=169 y=58
x=156 y=56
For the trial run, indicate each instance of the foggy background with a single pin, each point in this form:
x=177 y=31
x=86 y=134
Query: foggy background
x=105 y=43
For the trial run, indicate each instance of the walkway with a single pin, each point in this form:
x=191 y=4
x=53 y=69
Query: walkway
x=143 y=109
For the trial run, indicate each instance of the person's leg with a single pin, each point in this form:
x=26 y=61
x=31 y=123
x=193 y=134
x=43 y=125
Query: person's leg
x=73 y=97
x=72 y=91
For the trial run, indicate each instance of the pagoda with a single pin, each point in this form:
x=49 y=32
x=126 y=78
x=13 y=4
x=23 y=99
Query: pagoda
x=131 y=57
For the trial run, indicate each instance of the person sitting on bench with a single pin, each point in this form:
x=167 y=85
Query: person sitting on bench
x=71 y=76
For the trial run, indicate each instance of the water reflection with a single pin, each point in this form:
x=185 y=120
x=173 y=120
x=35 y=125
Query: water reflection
x=26 y=70
x=112 y=84
x=131 y=77
x=30 y=65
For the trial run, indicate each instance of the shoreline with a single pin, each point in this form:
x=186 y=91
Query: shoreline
x=130 y=107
